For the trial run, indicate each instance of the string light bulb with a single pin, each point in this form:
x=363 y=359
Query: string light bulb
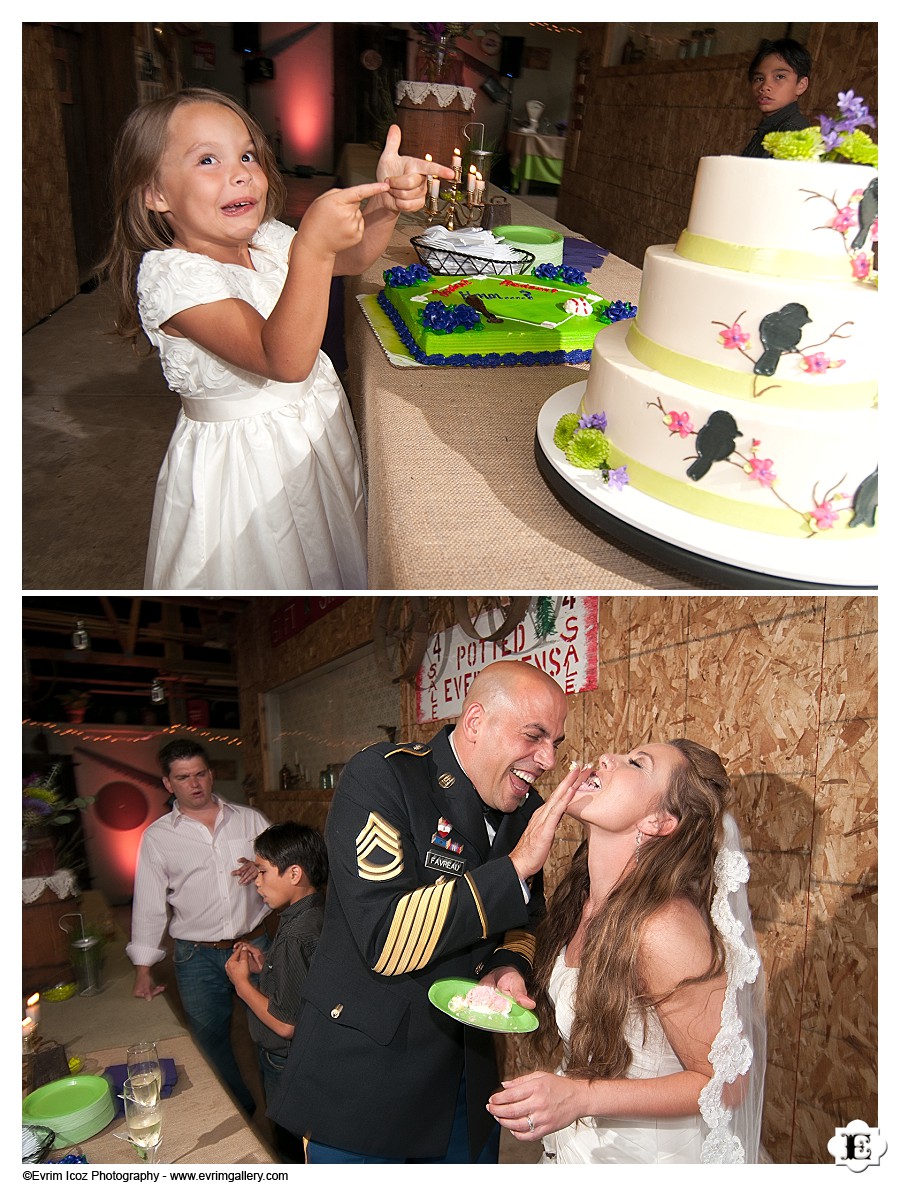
x=81 y=640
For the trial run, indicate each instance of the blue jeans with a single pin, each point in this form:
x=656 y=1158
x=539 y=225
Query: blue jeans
x=207 y=996
x=271 y=1066
x=457 y=1148
x=288 y=1146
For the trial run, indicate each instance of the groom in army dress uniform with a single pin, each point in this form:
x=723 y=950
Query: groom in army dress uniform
x=435 y=854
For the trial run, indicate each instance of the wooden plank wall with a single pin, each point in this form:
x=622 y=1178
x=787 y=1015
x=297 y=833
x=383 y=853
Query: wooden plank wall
x=629 y=174
x=785 y=688
x=49 y=271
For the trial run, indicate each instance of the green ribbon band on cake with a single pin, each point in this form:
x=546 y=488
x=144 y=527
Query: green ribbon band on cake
x=686 y=496
x=779 y=393
x=763 y=261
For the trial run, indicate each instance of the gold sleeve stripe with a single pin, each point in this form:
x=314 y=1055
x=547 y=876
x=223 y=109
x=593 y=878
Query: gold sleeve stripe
x=479 y=906
x=521 y=942
x=417 y=925
x=430 y=917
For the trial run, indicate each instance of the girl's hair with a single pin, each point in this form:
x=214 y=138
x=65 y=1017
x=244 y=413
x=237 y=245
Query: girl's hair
x=136 y=229
x=796 y=55
x=609 y=984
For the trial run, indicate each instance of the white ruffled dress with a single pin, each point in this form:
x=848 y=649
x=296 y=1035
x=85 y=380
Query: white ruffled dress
x=262 y=485
x=598 y=1139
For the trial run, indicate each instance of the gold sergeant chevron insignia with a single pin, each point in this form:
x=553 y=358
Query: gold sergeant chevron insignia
x=378 y=837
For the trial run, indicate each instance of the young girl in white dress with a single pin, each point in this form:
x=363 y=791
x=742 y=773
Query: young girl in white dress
x=262 y=486
x=648 y=984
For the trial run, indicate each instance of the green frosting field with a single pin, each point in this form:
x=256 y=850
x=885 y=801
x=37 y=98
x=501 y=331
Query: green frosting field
x=530 y=311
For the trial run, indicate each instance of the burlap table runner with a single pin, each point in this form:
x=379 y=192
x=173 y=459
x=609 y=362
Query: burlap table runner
x=456 y=501
x=201 y=1124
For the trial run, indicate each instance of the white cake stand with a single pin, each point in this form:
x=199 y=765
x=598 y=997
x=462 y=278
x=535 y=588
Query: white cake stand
x=731 y=556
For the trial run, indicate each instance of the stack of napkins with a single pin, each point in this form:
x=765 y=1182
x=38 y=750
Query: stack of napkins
x=473 y=241
x=118 y=1073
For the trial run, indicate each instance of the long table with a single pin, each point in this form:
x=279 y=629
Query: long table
x=201 y=1124
x=456 y=500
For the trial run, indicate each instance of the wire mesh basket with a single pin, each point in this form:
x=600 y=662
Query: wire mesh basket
x=37 y=1141
x=443 y=261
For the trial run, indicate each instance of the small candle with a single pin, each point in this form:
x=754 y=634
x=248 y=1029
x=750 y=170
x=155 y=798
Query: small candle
x=29 y=1030
x=434 y=186
x=470 y=180
x=457 y=161
x=33 y=1008
x=479 y=187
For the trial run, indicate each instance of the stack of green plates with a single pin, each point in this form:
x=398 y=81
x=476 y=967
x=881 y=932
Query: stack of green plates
x=545 y=245
x=75 y=1108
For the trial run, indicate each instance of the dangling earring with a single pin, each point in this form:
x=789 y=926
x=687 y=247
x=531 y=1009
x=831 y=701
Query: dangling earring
x=638 y=841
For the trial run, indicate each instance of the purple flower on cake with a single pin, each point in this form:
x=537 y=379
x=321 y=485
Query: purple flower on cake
x=679 y=422
x=595 y=420
x=844 y=220
x=445 y=319
x=760 y=470
x=619 y=311
x=854 y=110
x=854 y=114
x=560 y=272
x=860 y=265
x=616 y=479
x=733 y=337
x=405 y=277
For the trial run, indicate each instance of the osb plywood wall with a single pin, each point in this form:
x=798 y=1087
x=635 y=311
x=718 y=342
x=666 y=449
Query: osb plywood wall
x=49 y=271
x=629 y=174
x=785 y=689
x=264 y=665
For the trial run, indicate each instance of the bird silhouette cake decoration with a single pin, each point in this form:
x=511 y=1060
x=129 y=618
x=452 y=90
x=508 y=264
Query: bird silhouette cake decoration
x=767 y=420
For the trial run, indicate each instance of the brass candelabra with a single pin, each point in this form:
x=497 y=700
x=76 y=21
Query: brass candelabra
x=457 y=205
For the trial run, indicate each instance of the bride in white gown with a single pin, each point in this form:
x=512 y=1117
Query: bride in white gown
x=649 y=987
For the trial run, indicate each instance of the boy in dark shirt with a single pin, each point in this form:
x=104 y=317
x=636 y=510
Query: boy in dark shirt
x=779 y=74
x=293 y=868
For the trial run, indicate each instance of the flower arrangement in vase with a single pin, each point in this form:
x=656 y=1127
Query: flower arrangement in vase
x=438 y=59
x=44 y=809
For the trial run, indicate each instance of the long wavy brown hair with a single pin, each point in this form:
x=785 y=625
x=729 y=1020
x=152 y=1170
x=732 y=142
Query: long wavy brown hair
x=609 y=983
x=136 y=229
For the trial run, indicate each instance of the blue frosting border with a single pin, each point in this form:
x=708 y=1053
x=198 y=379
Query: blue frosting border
x=525 y=358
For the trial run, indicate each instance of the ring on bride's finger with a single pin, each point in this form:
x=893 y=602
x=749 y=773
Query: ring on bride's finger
x=530 y=1120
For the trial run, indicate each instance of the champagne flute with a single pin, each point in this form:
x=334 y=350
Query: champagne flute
x=143 y=1117
x=143 y=1067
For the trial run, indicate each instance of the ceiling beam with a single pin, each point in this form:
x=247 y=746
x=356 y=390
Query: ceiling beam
x=196 y=669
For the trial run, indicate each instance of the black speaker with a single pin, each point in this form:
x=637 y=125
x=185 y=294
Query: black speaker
x=259 y=70
x=511 y=56
x=245 y=39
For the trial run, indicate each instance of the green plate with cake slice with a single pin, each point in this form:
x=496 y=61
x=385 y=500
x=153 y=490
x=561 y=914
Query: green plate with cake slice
x=475 y=1004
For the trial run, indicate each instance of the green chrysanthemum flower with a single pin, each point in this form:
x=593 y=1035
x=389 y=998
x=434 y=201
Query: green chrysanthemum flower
x=565 y=429
x=804 y=145
x=588 y=449
x=857 y=147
